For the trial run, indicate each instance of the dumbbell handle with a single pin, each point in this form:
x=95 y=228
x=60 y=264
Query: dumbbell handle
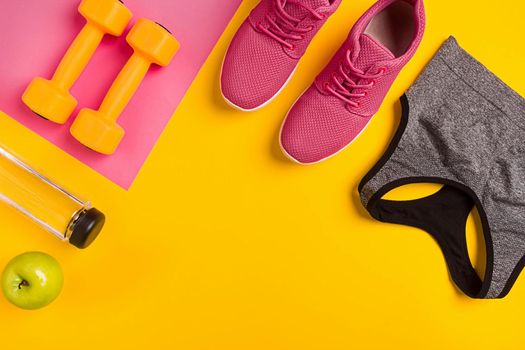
x=124 y=87
x=77 y=56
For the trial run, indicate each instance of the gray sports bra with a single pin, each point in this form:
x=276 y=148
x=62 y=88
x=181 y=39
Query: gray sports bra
x=464 y=128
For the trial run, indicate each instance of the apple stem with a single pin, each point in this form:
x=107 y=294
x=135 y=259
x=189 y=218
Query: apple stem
x=24 y=283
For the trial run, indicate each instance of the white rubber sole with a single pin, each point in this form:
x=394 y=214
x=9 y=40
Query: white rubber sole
x=289 y=156
x=258 y=107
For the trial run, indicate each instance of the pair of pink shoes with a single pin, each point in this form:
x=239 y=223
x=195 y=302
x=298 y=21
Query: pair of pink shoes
x=338 y=106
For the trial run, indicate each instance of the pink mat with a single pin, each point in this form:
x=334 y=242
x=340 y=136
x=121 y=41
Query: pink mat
x=34 y=34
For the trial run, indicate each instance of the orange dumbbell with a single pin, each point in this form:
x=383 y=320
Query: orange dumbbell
x=152 y=44
x=51 y=99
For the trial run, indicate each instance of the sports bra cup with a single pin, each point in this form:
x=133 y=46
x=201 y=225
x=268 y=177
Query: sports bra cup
x=442 y=214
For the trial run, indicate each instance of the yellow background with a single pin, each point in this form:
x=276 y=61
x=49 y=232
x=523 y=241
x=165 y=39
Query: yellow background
x=222 y=243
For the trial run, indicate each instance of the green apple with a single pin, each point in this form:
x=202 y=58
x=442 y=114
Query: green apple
x=32 y=280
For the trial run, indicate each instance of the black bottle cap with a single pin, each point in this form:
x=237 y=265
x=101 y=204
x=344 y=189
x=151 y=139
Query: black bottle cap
x=87 y=228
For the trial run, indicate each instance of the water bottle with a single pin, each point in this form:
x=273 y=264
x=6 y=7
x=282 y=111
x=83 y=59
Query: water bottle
x=50 y=206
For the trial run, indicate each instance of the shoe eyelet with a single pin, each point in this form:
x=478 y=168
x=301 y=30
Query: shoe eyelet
x=365 y=93
x=383 y=70
x=326 y=86
x=322 y=15
x=292 y=47
x=310 y=28
x=301 y=36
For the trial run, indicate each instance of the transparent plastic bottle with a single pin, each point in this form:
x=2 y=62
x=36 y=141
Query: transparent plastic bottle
x=46 y=203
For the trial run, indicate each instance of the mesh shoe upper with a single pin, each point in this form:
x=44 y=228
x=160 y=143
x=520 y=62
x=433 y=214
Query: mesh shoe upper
x=347 y=93
x=265 y=50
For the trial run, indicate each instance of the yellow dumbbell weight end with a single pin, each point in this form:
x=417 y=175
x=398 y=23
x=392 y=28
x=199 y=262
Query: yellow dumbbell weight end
x=111 y=16
x=51 y=99
x=153 y=41
x=96 y=132
x=152 y=44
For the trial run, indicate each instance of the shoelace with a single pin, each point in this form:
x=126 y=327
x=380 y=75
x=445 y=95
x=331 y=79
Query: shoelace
x=345 y=90
x=285 y=27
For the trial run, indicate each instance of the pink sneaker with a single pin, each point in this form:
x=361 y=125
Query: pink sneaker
x=267 y=47
x=345 y=96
